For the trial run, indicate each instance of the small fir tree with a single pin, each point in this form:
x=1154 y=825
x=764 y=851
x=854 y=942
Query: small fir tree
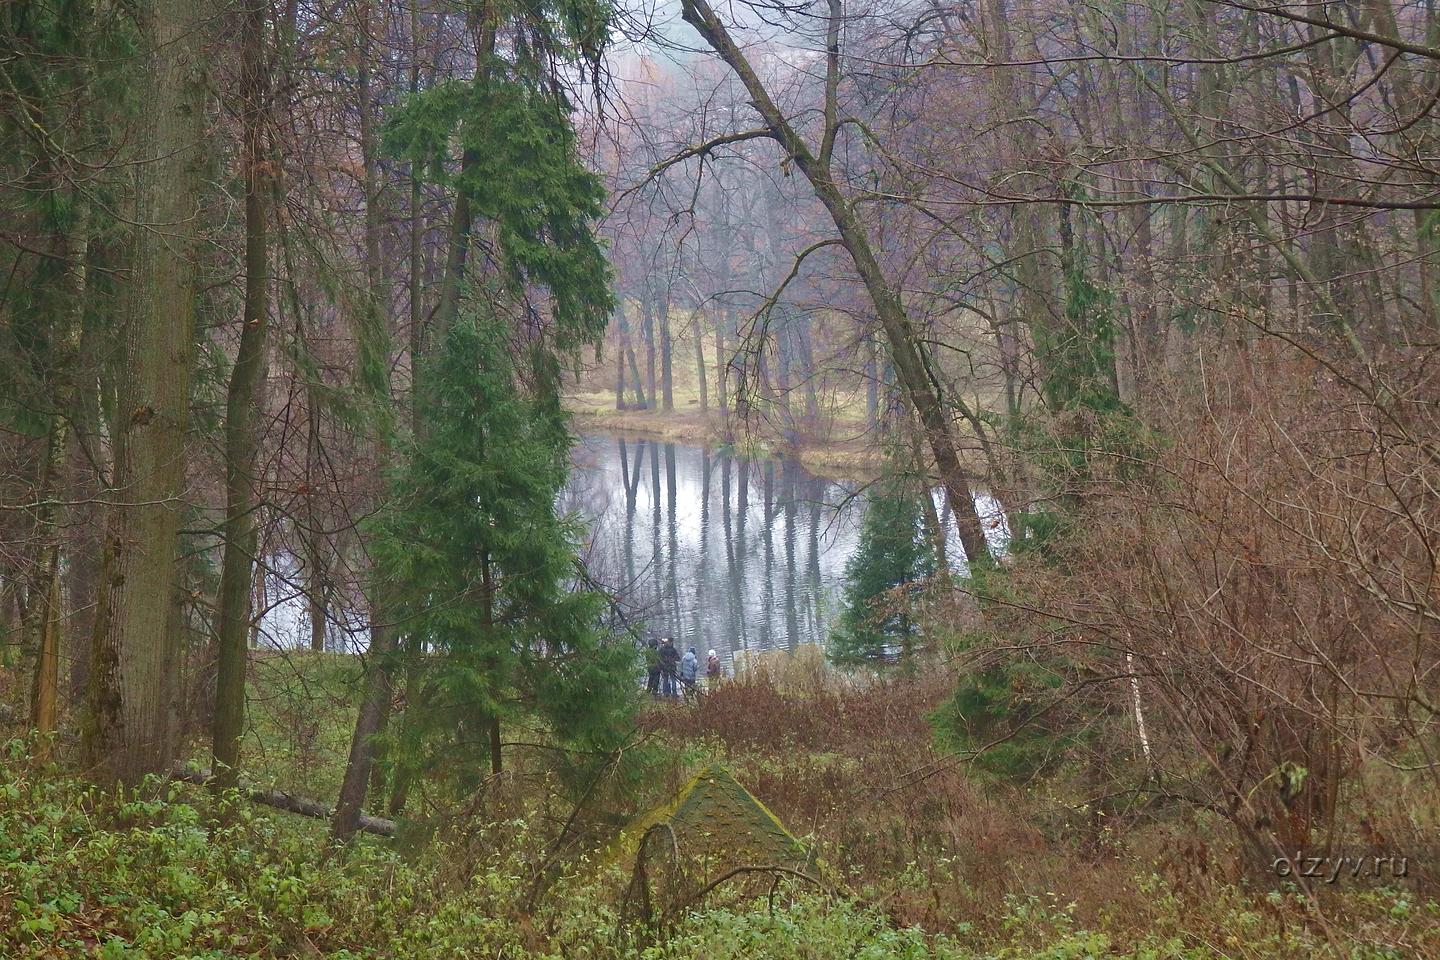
x=892 y=559
x=480 y=570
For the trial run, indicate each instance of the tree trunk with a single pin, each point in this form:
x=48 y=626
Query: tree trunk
x=648 y=321
x=462 y=218
x=408 y=647
x=933 y=526
x=777 y=324
x=288 y=802
x=132 y=733
x=9 y=618
x=375 y=703
x=496 y=764
x=782 y=367
x=82 y=574
x=241 y=408
x=317 y=591
x=400 y=783
x=722 y=374
x=872 y=382
x=909 y=363
x=459 y=248
x=667 y=352
x=1409 y=85
x=492 y=722
x=640 y=401
x=313 y=539
x=700 y=361
x=44 y=698
x=102 y=719
x=417 y=232
x=622 y=349
x=45 y=610
x=367 y=724
x=806 y=350
x=619 y=370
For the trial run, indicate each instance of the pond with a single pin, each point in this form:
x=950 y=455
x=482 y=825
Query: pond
x=716 y=551
x=719 y=552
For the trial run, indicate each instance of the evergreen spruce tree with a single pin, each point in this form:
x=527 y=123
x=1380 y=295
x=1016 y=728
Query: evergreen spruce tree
x=893 y=557
x=479 y=569
x=512 y=640
x=505 y=144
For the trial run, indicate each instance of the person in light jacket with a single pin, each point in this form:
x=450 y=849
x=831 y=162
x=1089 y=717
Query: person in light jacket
x=689 y=669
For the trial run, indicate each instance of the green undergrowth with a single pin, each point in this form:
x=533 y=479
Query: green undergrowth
x=91 y=873
x=86 y=872
x=301 y=715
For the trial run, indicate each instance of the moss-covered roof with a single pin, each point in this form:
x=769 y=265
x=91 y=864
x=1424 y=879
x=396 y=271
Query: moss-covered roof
x=715 y=813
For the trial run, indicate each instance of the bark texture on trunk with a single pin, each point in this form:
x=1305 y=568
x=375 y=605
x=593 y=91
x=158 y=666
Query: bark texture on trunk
x=317 y=600
x=375 y=703
x=462 y=218
x=241 y=406
x=44 y=702
x=640 y=400
x=700 y=361
x=132 y=733
x=44 y=611
x=667 y=388
x=722 y=372
x=648 y=327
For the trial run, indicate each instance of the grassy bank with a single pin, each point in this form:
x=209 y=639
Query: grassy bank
x=841 y=445
x=847 y=457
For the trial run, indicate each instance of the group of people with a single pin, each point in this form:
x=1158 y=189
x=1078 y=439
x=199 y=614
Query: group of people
x=672 y=675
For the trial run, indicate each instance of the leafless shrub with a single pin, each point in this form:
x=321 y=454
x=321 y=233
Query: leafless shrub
x=1254 y=595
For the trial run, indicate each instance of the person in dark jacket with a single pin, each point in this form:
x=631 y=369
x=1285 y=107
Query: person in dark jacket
x=652 y=664
x=669 y=660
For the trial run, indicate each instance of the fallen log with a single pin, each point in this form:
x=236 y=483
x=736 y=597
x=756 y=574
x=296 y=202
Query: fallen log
x=281 y=800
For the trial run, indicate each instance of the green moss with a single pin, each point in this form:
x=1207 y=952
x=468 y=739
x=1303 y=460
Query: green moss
x=715 y=812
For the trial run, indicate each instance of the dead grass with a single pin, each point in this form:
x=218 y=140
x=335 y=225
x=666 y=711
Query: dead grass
x=850 y=459
x=851 y=766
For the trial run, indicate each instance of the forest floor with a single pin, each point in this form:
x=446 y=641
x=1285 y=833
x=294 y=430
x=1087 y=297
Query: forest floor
x=914 y=855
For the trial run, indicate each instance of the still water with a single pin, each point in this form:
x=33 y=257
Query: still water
x=716 y=551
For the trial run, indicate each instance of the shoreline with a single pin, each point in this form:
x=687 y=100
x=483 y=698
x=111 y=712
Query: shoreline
x=835 y=460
